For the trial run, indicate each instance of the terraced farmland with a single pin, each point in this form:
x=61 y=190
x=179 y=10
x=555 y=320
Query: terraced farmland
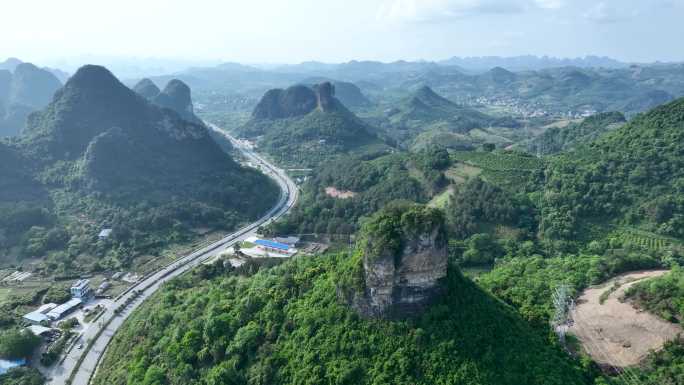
x=503 y=169
x=498 y=161
x=646 y=240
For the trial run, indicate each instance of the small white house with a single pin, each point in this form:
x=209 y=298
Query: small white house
x=81 y=288
x=105 y=233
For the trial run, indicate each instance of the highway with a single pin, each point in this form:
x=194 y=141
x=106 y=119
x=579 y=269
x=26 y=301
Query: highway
x=80 y=364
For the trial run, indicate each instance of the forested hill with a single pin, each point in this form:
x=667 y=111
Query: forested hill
x=558 y=139
x=346 y=92
x=427 y=107
x=634 y=175
x=16 y=181
x=25 y=89
x=176 y=96
x=109 y=157
x=424 y=119
x=286 y=325
x=304 y=125
x=121 y=141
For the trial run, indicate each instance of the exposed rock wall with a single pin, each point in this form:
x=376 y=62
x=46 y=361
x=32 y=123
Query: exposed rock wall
x=325 y=95
x=402 y=274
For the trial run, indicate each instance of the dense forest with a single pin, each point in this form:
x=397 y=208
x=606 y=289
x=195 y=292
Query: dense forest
x=631 y=176
x=663 y=296
x=559 y=139
x=286 y=325
x=371 y=183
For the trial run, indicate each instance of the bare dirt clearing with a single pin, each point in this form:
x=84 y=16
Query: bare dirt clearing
x=335 y=193
x=615 y=333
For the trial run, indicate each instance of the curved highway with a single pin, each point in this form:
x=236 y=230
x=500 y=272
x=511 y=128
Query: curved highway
x=79 y=365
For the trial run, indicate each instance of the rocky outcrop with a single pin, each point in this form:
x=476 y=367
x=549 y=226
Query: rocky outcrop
x=92 y=102
x=177 y=96
x=404 y=259
x=280 y=104
x=296 y=101
x=147 y=89
x=325 y=96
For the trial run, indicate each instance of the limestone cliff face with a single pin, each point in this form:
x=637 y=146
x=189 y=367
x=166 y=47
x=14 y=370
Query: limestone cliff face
x=402 y=272
x=325 y=96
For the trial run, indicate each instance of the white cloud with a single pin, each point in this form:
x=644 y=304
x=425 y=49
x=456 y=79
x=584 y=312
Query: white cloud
x=550 y=4
x=603 y=13
x=442 y=10
x=436 y=10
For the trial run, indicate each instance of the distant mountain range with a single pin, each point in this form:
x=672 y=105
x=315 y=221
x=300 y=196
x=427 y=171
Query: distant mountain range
x=526 y=85
x=24 y=88
x=531 y=63
x=557 y=91
x=11 y=64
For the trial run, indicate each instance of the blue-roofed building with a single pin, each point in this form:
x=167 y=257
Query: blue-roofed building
x=275 y=247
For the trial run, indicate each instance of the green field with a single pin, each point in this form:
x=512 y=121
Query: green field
x=247 y=245
x=644 y=239
x=502 y=169
x=442 y=200
x=4 y=293
x=498 y=161
x=462 y=171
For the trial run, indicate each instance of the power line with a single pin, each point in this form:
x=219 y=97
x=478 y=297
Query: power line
x=623 y=371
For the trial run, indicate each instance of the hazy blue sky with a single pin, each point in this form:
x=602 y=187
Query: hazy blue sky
x=299 y=30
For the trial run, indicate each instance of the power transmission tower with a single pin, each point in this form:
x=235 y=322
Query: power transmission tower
x=562 y=303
